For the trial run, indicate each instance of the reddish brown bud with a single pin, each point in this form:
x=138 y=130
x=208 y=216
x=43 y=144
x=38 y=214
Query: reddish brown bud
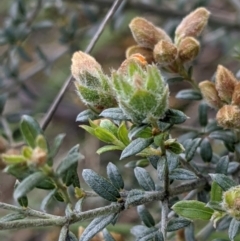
x=236 y=95
x=192 y=25
x=147 y=53
x=225 y=83
x=188 y=49
x=83 y=63
x=210 y=94
x=146 y=34
x=136 y=58
x=165 y=52
x=229 y=117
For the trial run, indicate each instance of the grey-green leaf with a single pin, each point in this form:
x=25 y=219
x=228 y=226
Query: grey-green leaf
x=223 y=181
x=28 y=184
x=144 y=179
x=47 y=199
x=96 y=226
x=101 y=185
x=189 y=94
x=115 y=176
x=107 y=236
x=206 y=150
x=136 y=146
x=182 y=174
x=56 y=145
x=174 y=117
x=114 y=113
x=30 y=129
x=177 y=223
x=233 y=229
x=191 y=148
x=222 y=165
x=85 y=115
x=145 y=216
x=202 y=113
x=3 y=99
x=133 y=198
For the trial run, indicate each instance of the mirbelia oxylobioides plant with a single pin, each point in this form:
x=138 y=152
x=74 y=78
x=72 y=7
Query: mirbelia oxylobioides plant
x=129 y=111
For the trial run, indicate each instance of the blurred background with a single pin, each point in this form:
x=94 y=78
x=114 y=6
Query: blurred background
x=37 y=39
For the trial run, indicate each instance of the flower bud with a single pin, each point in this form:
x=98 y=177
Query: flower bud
x=188 y=49
x=146 y=34
x=225 y=83
x=210 y=94
x=135 y=58
x=146 y=53
x=228 y=117
x=192 y=25
x=231 y=201
x=236 y=95
x=83 y=63
x=165 y=52
x=39 y=156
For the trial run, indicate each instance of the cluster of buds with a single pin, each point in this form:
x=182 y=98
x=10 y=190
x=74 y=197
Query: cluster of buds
x=223 y=95
x=231 y=202
x=34 y=157
x=140 y=90
x=156 y=46
x=93 y=86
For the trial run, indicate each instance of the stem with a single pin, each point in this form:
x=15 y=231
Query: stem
x=164 y=218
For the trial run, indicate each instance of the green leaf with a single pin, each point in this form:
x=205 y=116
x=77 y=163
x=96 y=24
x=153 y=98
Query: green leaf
x=202 y=114
x=142 y=163
x=30 y=130
x=47 y=200
x=174 y=146
x=191 y=148
x=145 y=216
x=206 y=150
x=101 y=185
x=193 y=210
x=144 y=179
x=212 y=126
x=223 y=135
x=96 y=226
x=222 y=165
x=85 y=115
x=223 y=181
x=217 y=206
x=56 y=145
x=67 y=162
x=133 y=197
x=136 y=131
x=114 y=113
x=107 y=236
x=28 y=184
x=89 y=129
x=46 y=184
x=189 y=94
x=108 y=148
x=216 y=192
x=3 y=99
x=104 y=135
x=174 y=117
x=177 y=223
x=123 y=134
x=13 y=159
x=182 y=174
x=115 y=176
x=108 y=125
x=233 y=229
x=136 y=146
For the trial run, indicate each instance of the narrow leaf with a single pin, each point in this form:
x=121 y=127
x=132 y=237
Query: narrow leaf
x=222 y=165
x=108 y=148
x=234 y=228
x=182 y=174
x=28 y=184
x=100 y=185
x=114 y=113
x=107 y=236
x=85 y=115
x=56 y=145
x=136 y=146
x=96 y=226
x=135 y=131
x=202 y=113
x=223 y=135
x=193 y=210
x=191 y=148
x=145 y=216
x=223 y=181
x=3 y=99
x=47 y=200
x=206 y=150
x=177 y=223
x=133 y=198
x=144 y=179
x=123 y=134
x=216 y=192
x=174 y=117
x=115 y=176
x=189 y=94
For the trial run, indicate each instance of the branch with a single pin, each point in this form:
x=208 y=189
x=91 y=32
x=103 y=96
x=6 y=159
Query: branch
x=89 y=48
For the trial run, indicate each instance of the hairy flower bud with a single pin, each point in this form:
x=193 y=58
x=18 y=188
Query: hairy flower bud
x=83 y=63
x=146 y=34
x=210 y=94
x=231 y=201
x=188 y=49
x=141 y=93
x=225 y=83
x=39 y=156
x=165 y=52
x=92 y=85
x=135 y=58
x=229 y=117
x=146 y=53
x=236 y=95
x=193 y=24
